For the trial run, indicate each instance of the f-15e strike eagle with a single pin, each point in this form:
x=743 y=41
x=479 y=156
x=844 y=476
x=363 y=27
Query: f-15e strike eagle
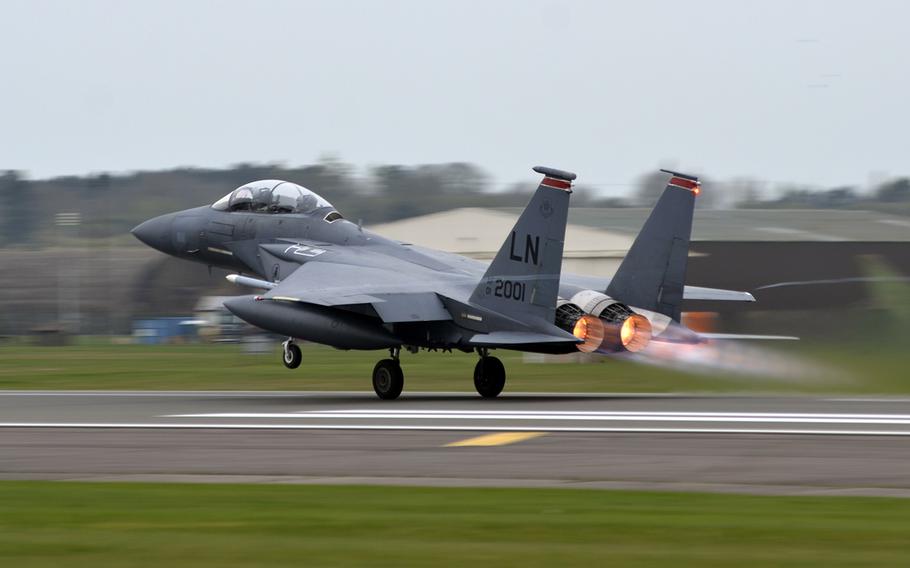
x=327 y=280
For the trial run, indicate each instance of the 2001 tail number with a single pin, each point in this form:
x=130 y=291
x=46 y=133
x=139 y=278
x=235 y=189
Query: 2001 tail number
x=510 y=289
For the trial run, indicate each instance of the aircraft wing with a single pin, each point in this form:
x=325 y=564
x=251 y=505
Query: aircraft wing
x=395 y=297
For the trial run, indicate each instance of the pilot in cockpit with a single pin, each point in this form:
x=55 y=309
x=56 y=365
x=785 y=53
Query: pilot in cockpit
x=275 y=196
x=262 y=200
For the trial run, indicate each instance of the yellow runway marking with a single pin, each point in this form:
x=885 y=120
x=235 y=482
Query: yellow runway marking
x=497 y=439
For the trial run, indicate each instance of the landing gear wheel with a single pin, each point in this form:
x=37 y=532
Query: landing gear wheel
x=388 y=380
x=291 y=357
x=489 y=377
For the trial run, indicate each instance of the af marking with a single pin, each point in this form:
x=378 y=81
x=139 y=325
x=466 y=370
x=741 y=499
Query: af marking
x=304 y=250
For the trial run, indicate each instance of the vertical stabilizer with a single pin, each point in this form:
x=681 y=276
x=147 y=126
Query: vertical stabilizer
x=523 y=279
x=653 y=273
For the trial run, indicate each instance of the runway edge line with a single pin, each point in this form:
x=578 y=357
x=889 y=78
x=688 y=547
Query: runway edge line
x=444 y=428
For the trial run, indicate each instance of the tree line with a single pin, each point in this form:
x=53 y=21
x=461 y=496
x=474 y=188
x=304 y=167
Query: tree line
x=110 y=205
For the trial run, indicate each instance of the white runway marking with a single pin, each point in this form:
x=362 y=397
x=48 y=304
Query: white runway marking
x=573 y=416
x=351 y=394
x=353 y=412
x=866 y=399
x=447 y=428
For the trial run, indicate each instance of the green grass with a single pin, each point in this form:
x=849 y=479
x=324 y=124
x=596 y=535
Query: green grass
x=212 y=367
x=226 y=367
x=127 y=525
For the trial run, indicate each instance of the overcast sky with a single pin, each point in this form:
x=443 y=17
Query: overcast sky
x=810 y=92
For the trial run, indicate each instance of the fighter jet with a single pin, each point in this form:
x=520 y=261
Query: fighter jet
x=327 y=280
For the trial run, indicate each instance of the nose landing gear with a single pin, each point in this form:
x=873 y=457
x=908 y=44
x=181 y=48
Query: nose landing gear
x=489 y=375
x=291 y=355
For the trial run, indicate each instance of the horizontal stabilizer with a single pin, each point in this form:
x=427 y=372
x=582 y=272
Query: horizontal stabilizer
x=502 y=338
x=717 y=294
x=737 y=336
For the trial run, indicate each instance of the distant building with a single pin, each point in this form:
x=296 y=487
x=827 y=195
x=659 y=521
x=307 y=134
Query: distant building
x=159 y=331
x=216 y=322
x=790 y=259
x=478 y=233
x=762 y=225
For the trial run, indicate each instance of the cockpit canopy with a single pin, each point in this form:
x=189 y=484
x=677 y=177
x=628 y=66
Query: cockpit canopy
x=274 y=196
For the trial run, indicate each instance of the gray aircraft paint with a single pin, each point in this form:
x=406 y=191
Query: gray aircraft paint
x=523 y=279
x=653 y=273
x=373 y=292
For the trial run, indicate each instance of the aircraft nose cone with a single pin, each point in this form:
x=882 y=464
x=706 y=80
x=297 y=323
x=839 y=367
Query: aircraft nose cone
x=155 y=232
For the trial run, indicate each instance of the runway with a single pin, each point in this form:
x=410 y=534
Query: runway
x=751 y=444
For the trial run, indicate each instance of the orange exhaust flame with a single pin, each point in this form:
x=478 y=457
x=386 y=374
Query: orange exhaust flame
x=591 y=330
x=635 y=333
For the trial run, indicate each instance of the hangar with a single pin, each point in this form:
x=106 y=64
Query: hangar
x=478 y=233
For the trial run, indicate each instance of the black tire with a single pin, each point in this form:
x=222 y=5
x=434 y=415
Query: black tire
x=291 y=356
x=388 y=380
x=489 y=377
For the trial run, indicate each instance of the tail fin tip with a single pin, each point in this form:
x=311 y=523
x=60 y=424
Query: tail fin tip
x=555 y=173
x=684 y=181
x=689 y=177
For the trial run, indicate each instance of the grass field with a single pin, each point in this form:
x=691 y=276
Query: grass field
x=105 y=366
x=127 y=525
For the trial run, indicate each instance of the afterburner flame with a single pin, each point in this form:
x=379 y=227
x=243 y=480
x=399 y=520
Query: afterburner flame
x=635 y=333
x=590 y=329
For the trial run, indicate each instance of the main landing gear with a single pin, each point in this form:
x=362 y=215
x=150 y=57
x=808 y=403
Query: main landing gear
x=388 y=379
x=489 y=375
x=291 y=355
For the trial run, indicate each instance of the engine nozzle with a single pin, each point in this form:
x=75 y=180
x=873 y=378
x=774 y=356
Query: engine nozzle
x=635 y=333
x=621 y=330
x=590 y=329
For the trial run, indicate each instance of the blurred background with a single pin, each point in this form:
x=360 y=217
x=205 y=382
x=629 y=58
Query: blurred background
x=422 y=121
